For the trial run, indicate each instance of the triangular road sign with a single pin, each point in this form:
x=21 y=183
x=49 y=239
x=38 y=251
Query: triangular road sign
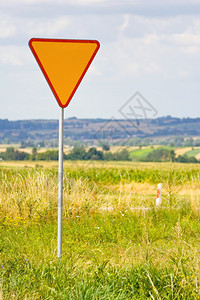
x=64 y=64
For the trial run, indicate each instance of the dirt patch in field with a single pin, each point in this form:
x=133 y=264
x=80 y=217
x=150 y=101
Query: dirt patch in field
x=181 y=151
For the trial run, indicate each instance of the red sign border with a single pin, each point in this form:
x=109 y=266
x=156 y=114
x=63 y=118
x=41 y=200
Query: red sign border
x=44 y=72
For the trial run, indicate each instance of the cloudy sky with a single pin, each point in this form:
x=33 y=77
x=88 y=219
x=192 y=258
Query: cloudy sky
x=147 y=46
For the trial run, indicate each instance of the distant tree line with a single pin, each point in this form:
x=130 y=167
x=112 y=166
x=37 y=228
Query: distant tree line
x=94 y=154
x=77 y=153
x=12 y=154
x=80 y=153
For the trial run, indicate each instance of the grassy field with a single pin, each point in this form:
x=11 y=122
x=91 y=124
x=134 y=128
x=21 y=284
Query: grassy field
x=116 y=243
x=193 y=152
x=139 y=154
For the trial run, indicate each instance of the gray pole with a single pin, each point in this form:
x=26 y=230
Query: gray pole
x=60 y=183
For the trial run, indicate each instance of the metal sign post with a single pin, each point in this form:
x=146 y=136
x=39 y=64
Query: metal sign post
x=60 y=182
x=63 y=64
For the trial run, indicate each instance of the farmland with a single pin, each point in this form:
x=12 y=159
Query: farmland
x=120 y=153
x=116 y=243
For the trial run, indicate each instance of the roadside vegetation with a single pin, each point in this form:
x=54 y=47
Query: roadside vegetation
x=116 y=243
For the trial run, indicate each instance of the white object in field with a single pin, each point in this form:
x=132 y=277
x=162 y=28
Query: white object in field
x=159 y=192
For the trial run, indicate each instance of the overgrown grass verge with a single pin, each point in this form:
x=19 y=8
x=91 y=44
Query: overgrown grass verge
x=51 y=281
x=120 y=255
x=116 y=243
x=32 y=193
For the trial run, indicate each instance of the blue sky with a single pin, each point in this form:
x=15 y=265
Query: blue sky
x=150 y=47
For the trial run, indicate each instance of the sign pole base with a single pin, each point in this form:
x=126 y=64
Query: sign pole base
x=60 y=183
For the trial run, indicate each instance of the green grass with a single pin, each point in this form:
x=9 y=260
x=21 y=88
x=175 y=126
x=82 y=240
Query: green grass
x=193 y=152
x=107 y=256
x=112 y=248
x=139 y=154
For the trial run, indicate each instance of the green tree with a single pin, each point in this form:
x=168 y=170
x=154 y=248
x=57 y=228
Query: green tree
x=34 y=154
x=172 y=155
x=78 y=153
x=187 y=159
x=48 y=155
x=94 y=154
x=12 y=154
x=158 y=155
x=105 y=147
x=123 y=155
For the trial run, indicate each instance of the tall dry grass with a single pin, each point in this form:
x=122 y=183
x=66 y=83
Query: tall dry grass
x=32 y=193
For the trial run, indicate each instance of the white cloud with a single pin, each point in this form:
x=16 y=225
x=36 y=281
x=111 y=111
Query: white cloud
x=125 y=23
x=49 y=27
x=7 y=56
x=122 y=2
x=17 y=2
x=156 y=51
x=6 y=28
x=188 y=41
x=93 y=71
x=189 y=37
x=13 y=55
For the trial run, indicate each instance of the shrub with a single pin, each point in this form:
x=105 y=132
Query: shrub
x=12 y=154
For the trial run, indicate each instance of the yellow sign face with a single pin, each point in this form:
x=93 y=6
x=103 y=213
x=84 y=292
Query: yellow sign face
x=64 y=64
